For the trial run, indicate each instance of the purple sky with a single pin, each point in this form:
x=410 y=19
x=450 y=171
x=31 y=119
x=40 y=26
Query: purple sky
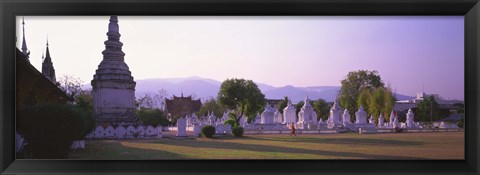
x=409 y=52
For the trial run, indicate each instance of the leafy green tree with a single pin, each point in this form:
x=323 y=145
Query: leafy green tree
x=153 y=117
x=376 y=101
x=298 y=107
x=209 y=106
x=242 y=97
x=459 y=107
x=84 y=102
x=353 y=83
x=322 y=109
x=365 y=99
x=282 y=104
x=427 y=110
x=389 y=100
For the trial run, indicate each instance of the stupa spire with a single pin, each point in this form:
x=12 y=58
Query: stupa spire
x=113 y=46
x=24 y=43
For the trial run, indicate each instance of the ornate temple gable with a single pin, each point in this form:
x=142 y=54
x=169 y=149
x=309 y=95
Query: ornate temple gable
x=180 y=106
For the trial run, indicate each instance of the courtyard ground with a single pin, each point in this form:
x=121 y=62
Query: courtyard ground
x=434 y=145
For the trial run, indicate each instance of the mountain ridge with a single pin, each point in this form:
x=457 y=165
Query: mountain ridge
x=205 y=88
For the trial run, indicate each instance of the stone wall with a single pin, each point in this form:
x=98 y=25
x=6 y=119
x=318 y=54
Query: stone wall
x=125 y=132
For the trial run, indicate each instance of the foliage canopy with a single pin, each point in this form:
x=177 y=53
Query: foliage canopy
x=241 y=96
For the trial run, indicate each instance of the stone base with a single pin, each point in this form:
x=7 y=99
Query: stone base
x=334 y=125
x=117 y=119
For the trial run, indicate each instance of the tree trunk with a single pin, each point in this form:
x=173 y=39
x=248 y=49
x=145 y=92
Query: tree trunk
x=237 y=119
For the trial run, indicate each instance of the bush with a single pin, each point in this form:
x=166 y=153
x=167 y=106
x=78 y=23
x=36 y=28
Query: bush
x=208 y=131
x=460 y=123
x=230 y=122
x=153 y=117
x=237 y=131
x=50 y=129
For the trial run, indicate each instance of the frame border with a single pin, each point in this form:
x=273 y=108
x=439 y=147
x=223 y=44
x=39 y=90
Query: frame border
x=470 y=9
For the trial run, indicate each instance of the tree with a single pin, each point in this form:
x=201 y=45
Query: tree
x=84 y=102
x=60 y=124
x=70 y=85
x=322 y=109
x=209 y=106
x=459 y=107
x=376 y=101
x=153 y=117
x=282 y=104
x=159 y=98
x=353 y=83
x=145 y=102
x=427 y=110
x=365 y=98
x=242 y=97
x=389 y=100
x=298 y=107
x=83 y=99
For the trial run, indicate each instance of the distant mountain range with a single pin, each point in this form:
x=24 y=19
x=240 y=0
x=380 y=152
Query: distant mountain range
x=205 y=88
x=208 y=88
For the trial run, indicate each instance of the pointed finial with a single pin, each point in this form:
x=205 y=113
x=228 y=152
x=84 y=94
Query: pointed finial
x=113 y=26
x=47 y=56
x=24 y=43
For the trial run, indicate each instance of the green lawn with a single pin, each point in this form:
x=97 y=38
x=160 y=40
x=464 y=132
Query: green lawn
x=437 y=145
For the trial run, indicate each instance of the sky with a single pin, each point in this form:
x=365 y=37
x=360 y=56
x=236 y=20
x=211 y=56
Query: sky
x=411 y=53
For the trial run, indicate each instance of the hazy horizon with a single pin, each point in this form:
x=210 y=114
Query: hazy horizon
x=410 y=53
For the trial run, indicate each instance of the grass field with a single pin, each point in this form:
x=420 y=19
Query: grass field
x=437 y=145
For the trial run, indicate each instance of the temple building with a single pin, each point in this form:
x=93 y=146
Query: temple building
x=181 y=106
x=113 y=88
x=33 y=88
x=47 y=67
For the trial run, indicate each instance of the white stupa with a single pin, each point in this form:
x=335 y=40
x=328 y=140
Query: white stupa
x=113 y=87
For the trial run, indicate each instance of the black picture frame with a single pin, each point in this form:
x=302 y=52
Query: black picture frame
x=9 y=9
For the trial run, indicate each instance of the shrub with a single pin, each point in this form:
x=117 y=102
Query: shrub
x=460 y=123
x=230 y=122
x=208 y=131
x=237 y=131
x=50 y=129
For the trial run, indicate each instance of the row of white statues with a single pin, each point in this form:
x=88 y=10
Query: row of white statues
x=308 y=117
x=270 y=119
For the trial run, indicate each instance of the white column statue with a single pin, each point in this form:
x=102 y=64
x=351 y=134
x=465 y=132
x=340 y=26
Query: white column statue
x=360 y=116
x=346 y=117
x=381 y=121
x=410 y=121
x=181 y=127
